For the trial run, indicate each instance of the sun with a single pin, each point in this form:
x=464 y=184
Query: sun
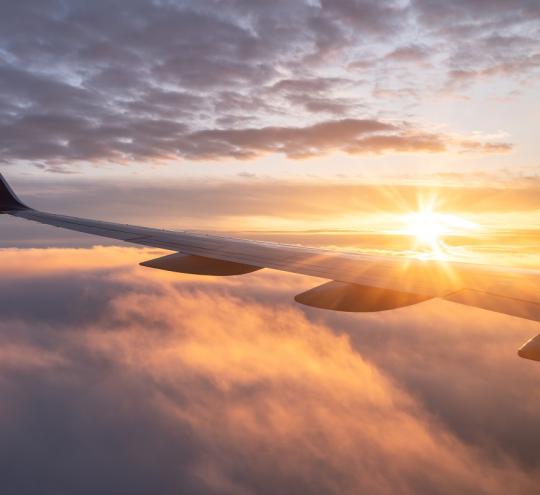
x=429 y=229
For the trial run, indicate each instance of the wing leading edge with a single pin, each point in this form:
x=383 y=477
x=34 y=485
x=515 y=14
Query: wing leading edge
x=359 y=282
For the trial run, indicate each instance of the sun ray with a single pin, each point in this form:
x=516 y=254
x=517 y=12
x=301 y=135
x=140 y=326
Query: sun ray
x=429 y=228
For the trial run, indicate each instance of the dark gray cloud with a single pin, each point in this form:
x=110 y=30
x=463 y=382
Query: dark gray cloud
x=489 y=39
x=86 y=81
x=483 y=12
x=349 y=135
x=317 y=95
x=60 y=138
x=409 y=53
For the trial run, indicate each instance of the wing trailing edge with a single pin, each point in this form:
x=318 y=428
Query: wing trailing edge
x=512 y=306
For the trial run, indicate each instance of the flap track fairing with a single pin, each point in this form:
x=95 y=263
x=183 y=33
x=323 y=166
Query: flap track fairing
x=341 y=296
x=199 y=265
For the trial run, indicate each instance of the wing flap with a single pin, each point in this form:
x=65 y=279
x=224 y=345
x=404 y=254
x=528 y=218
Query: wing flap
x=198 y=265
x=340 y=296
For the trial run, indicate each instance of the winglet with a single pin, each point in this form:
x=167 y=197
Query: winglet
x=8 y=199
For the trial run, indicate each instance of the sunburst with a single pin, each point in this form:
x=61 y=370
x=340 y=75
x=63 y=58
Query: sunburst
x=429 y=228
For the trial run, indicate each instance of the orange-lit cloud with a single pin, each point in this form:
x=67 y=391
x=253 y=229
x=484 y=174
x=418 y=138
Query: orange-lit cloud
x=224 y=385
x=32 y=263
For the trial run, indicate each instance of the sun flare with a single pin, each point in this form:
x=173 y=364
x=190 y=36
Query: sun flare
x=429 y=229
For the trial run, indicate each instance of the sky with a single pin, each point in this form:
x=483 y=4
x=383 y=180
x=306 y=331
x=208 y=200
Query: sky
x=321 y=122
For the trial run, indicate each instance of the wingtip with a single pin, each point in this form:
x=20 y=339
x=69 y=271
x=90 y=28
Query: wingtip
x=8 y=199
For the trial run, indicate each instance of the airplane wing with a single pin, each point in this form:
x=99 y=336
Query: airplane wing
x=358 y=282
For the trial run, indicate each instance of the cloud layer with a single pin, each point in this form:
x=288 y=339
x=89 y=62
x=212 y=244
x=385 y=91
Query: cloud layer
x=117 y=378
x=171 y=80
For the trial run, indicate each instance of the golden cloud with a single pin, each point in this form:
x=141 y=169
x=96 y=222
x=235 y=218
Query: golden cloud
x=274 y=399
